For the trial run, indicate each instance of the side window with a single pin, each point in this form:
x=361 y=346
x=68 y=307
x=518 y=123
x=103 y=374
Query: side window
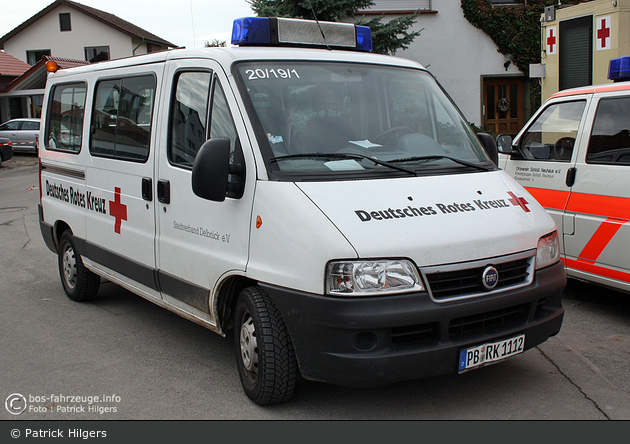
x=10 y=126
x=610 y=137
x=66 y=110
x=222 y=125
x=121 y=119
x=552 y=135
x=188 y=116
x=31 y=126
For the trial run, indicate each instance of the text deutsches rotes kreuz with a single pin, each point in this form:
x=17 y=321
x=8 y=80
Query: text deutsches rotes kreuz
x=76 y=197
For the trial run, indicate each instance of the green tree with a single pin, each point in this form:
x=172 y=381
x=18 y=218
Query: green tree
x=514 y=29
x=215 y=43
x=387 y=38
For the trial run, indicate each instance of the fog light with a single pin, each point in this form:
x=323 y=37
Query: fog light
x=365 y=341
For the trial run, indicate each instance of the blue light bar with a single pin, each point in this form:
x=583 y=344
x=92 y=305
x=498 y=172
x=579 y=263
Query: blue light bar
x=277 y=31
x=619 y=69
x=251 y=31
x=364 y=38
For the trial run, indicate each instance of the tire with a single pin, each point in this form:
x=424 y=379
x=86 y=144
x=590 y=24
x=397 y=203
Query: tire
x=79 y=283
x=265 y=356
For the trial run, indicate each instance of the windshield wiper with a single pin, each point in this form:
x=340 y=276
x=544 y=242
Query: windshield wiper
x=345 y=156
x=437 y=156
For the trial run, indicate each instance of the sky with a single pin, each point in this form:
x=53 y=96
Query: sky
x=188 y=23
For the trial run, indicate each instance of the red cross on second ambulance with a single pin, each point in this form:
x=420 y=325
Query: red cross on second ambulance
x=552 y=40
x=603 y=33
x=118 y=210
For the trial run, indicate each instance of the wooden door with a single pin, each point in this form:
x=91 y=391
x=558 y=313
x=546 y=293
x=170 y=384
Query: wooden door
x=503 y=105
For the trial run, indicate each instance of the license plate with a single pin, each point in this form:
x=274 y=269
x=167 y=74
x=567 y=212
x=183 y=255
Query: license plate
x=491 y=352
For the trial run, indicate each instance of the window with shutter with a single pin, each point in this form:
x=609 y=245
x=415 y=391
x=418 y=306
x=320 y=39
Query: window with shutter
x=576 y=52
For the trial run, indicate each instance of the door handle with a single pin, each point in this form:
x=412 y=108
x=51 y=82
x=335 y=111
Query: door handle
x=147 y=189
x=164 y=191
x=571 y=173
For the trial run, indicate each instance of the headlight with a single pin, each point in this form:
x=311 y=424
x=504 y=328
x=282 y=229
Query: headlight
x=548 y=250
x=371 y=278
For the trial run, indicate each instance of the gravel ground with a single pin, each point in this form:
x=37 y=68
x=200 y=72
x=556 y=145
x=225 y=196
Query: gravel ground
x=19 y=160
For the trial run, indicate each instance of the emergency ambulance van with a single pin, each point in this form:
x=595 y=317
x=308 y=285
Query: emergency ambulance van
x=573 y=156
x=329 y=206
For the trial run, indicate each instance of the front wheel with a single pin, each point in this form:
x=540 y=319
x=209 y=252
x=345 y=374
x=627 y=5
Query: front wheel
x=265 y=356
x=79 y=283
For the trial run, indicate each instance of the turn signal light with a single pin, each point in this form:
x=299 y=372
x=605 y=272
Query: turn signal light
x=51 y=66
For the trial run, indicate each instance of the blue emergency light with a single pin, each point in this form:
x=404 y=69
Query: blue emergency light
x=278 y=31
x=619 y=69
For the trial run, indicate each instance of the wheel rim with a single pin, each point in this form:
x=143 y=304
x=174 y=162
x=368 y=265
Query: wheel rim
x=249 y=344
x=69 y=264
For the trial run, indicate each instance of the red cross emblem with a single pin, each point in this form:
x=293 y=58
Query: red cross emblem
x=551 y=40
x=603 y=33
x=518 y=201
x=118 y=210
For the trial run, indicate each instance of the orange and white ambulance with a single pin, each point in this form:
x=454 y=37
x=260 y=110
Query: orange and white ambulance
x=573 y=156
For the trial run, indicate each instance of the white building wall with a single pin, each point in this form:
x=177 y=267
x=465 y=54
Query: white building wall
x=86 y=32
x=457 y=54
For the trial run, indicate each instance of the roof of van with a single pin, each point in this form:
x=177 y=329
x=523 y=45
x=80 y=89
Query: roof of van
x=228 y=55
x=610 y=87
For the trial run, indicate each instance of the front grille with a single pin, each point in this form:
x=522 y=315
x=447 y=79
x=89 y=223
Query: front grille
x=464 y=280
x=489 y=322
x=423 y=333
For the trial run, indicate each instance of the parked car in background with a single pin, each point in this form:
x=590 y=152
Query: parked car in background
x=6 y=149
x=23 y=133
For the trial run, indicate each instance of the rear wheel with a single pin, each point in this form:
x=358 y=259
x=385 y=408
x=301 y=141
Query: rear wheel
x=79 y=283
x=265 y=356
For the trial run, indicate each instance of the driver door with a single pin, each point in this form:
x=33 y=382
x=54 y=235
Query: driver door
x=544 y=162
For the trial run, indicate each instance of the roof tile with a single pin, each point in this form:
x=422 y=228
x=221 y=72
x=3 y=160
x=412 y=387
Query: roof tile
x=11 y=66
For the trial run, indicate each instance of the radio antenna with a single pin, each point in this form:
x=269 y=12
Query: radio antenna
x=318 y=25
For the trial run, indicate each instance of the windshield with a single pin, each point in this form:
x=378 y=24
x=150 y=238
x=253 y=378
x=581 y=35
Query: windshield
x=344 y=118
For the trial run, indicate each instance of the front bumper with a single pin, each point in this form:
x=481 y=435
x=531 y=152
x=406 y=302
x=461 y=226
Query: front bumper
x=372 y=341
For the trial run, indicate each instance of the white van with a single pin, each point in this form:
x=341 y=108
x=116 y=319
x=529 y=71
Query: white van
x=330 y=207
x=573 y=156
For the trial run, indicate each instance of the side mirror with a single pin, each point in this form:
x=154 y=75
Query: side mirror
x=490 y=146
x=211 y=168
x=504 y=143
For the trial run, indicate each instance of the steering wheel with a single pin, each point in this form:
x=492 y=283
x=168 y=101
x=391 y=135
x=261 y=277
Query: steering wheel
x=380 y=139
x=564 y=148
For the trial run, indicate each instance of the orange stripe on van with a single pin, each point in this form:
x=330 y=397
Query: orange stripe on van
x=596 y=269
x=554 y=199
x=608 y=206
x=600 y=239
x=597 y=205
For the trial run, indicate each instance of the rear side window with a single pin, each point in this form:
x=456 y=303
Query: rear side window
x=66 y=112
x=610 y=137
x=30 y=126
x=121 y=119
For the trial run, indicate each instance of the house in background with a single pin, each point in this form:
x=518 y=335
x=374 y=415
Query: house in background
x=489 y=90
x=70 y=33
x=24 y=96
x=10 y=69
